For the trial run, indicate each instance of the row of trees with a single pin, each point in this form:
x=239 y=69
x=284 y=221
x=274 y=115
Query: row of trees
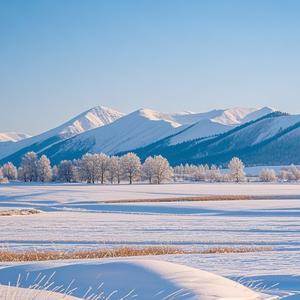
x=188 y=172
x=92 y=168
x=236 y=173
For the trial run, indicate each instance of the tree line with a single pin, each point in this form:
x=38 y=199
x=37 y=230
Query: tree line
x=101 y=168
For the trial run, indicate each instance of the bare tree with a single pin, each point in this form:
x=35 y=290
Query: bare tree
x=131 y=166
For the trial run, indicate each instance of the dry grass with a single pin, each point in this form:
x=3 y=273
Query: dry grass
x=14 y=256
x=220 y=250
x=19 y=212
x=88 y=254
x=191 y=198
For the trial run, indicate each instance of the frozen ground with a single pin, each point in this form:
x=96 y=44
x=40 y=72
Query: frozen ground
x=72 y=218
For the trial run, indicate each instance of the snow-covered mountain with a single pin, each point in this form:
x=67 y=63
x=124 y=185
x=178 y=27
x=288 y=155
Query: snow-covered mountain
x=104 y=130
x=12 y=136
x=90 y=119
x=134 y=130
x=144 y=127
x=273 y=139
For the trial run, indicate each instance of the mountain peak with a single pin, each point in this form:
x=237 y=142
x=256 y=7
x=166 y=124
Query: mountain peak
x=95 y=117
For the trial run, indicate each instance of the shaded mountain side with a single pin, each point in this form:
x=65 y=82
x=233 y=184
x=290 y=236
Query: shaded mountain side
x=16 y=157
x=242 y=141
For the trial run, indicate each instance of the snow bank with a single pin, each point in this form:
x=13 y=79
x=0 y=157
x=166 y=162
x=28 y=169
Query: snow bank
x=116 y=279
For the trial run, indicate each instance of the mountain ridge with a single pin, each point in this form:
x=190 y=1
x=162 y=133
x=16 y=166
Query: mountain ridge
x=140 y=129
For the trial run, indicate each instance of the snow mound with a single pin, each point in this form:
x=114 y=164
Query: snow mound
x=118 y=279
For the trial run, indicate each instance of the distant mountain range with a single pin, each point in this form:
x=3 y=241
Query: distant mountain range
x=258 y=136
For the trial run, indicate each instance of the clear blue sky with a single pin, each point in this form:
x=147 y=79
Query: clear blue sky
x=60 y=57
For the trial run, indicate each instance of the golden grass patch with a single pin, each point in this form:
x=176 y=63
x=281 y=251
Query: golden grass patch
x=17 y=256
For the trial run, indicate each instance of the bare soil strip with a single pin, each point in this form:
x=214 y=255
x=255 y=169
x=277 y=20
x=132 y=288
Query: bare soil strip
x=15 y=256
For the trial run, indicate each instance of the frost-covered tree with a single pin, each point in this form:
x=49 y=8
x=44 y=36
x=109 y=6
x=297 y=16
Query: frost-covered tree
x=161 y=169
x=293 y=173
x=9 y=171
x=102 y=164
x=131 y=166
x=283 y=175
x=236 y=170
x=20 y=174
x=214 y=174
x=55 y=173
x=44 y=170
x=65 y=171
x=148 y=169
x=29 y=166
x=200 y=173
x=114 y=169
x=94 y=167
x=267 y=175
x=179 y=172
x=88 y=168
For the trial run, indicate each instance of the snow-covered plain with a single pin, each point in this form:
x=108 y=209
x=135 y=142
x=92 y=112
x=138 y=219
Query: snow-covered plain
x=75 y=218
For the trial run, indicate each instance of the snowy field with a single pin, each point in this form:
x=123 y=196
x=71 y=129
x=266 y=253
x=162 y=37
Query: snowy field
x=73 y=217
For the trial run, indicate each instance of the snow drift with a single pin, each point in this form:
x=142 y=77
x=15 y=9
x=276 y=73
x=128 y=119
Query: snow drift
x=120 y=279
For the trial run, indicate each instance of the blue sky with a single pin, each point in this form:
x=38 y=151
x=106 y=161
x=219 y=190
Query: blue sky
x=61 y=57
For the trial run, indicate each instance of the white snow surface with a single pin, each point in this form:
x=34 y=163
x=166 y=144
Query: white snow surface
x=75 y=217
x=134 y=278
x=12 y=136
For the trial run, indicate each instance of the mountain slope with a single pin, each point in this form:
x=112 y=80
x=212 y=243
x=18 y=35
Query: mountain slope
x=131 y=131
x=252 y=141
x=93 y=118
x=216 y=122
